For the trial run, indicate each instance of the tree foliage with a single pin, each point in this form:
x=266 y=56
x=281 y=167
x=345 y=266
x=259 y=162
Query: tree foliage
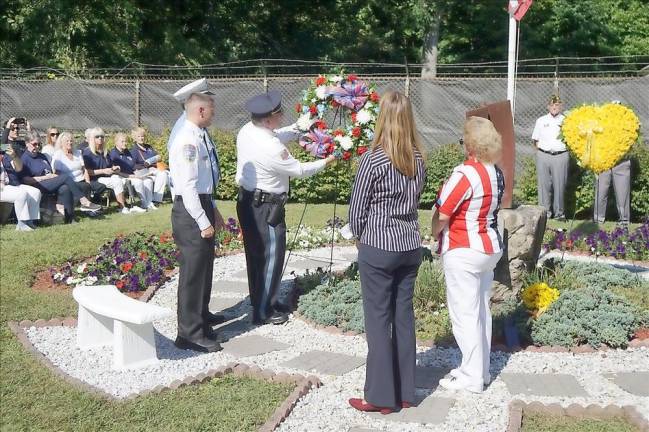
x=73 y=35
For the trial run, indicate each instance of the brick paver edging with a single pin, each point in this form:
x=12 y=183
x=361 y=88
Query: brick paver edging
x=303 y=384
x=518 y=408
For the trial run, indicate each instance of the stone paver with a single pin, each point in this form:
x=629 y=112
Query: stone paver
x=325 y=362
x=308 y=264
x=238 y=287
x=252 y=345
x=360 y=429
x=219 y=304
x=432 y=410
x=241 y=274
x=428 y=377
x=636 y=383
x=543 y=384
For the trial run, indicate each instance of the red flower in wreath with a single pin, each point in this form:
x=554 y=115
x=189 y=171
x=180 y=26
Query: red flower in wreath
x=335 y=104
x=356 y=132
x=354 y=117
x=313 y=109
x=352 y=77
x=120 y=284
x=347 y=155
x=320 y=80
x=338 y=132
x=298 y=107
x=127 y=266
x=320 y=124
x=374 y=97
x=361 y=150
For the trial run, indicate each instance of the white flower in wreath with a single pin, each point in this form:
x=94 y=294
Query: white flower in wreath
x=321 y=92
x=304 y=122
x=336 y=78
x=363 y=116
x=344 y=141
x=82 y=268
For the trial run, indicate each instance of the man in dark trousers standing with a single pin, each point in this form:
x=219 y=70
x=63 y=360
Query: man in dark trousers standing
x=195 y=172
x=264 y=166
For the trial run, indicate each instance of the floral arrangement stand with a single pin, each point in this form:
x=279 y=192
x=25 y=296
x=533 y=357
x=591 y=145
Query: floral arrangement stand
x=108 y=317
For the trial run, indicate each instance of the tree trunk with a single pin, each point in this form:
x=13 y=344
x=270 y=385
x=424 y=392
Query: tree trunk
x=430 y=49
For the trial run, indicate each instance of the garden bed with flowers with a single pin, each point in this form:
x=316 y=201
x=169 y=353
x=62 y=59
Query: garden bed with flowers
x=619 y=243
x=565 y=304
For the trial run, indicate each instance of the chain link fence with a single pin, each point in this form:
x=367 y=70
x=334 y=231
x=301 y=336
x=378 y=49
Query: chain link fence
x=120 y=101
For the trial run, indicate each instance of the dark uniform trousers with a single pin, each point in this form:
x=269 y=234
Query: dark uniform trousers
x=67 y=190
x=265 y=246
x=387 y=283
x=196 y=268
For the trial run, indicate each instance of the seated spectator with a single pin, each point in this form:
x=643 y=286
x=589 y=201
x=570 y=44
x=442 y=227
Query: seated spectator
x=37 y=171
x=95 y=159
x=146 y=157
x=143 y=184
x=50 y=148
x=26 y=199
x=69 y=161
x=11 y=132
x=83 y=144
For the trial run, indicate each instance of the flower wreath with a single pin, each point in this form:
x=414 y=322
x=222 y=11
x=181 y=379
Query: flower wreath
x=356 y=108
x=600 y=135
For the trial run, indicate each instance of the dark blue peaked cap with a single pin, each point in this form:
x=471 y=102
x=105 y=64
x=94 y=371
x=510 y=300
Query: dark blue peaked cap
x=265 y=104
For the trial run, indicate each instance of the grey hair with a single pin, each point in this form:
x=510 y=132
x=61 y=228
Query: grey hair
x=33 y=135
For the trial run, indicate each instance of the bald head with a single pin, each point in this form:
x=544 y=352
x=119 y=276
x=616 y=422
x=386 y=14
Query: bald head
x=200 y=109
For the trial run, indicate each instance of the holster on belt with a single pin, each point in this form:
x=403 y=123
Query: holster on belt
x=276 y=201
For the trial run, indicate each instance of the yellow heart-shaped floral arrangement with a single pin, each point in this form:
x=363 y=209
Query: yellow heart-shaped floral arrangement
x=599 y=135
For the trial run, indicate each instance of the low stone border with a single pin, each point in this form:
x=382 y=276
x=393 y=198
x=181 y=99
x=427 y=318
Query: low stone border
x=518 y=408
x=303 y=384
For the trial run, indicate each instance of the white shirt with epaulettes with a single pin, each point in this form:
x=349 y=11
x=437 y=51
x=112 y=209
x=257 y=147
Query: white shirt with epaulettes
x=264 y=162
x=191 y=169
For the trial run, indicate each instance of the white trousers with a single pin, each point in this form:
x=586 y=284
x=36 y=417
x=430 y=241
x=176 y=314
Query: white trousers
x=114 y=182
x=161 y=183
x=26 y=199
x=144 y=188
x=469 y=275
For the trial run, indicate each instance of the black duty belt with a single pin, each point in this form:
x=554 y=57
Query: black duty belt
x=261 y=196
x=553 y=153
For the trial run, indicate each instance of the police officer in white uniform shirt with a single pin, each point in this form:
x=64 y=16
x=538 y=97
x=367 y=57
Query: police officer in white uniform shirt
x=552 y=160
x=194 y=167
x=264 y=166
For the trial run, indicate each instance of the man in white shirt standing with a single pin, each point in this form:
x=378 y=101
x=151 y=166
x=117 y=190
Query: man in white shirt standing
x=551 y=160
x=264 y=166
x=194 y=167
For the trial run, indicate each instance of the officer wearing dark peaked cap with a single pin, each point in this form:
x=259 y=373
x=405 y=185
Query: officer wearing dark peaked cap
x=195 y=172
x=264 y=167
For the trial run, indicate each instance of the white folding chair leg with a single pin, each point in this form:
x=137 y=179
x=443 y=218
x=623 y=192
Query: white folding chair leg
x=93 y=330
x=134 y=345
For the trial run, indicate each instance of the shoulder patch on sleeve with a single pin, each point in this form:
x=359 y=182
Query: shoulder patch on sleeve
x=284 y=154
x=189 y=152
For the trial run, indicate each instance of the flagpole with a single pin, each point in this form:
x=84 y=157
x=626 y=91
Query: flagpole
x=511 y=54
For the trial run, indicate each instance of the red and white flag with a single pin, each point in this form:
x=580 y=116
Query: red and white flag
x=518 y=8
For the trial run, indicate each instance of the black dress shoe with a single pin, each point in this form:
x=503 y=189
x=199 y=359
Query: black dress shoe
x=203 y=344
x=276 y=318
x=214 y=319
x=282 y=307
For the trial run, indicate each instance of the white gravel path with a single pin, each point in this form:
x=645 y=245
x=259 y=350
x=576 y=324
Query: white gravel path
x=326 y=408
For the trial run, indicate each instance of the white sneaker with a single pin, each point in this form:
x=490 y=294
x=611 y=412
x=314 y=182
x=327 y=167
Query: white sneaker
x=21 y=226
x=455 y=373
x=136 y=209
x=151 y=207
x=455 y=384
x=125 y=210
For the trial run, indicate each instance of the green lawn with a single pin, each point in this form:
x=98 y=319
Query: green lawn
x=544 y=423
x=32 y=398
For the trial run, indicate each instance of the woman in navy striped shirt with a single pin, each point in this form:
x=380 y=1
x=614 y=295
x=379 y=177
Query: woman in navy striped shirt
x=383 y=219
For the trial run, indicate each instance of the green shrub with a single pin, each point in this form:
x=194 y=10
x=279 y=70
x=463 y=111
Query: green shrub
x=591 y=316
x=435 y=326
x=439 y=164
x=640 y=180
x=430 y=289
x=338 y=304
x=605 y=276
x=525 y=187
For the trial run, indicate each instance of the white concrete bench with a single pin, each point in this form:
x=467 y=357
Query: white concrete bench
x=108 y=317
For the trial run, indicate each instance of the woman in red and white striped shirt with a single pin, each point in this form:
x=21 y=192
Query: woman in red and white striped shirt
x=470 y=244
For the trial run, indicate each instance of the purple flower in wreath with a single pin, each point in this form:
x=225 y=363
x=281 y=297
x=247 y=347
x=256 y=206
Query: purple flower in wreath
x=317 y=142
x=352 y=95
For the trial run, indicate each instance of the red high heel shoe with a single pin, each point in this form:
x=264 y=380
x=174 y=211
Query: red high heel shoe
x=406 y=405
x=358 y=404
